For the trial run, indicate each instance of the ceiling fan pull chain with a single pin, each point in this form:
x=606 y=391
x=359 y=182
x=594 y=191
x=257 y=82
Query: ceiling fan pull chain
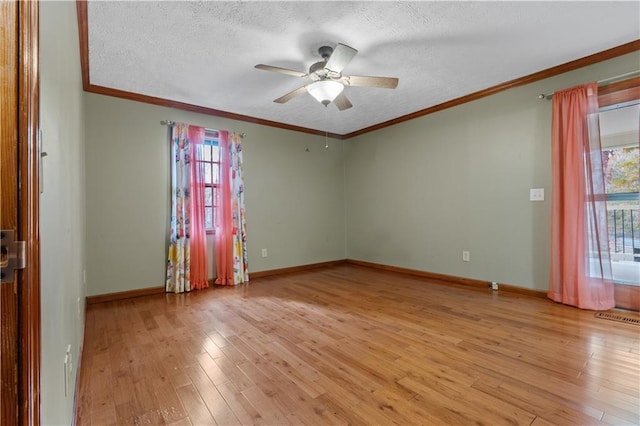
x=326 y=129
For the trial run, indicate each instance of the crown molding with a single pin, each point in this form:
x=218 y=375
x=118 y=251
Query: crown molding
x=83 y=30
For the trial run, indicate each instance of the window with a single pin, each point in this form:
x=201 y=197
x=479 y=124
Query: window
x=210 y=156
x=619 y=103
x=621 y=158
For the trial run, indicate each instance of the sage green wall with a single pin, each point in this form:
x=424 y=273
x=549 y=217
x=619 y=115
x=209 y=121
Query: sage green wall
x=413 y=195
x=62 y=216
x=294 y=198
x=421 y=192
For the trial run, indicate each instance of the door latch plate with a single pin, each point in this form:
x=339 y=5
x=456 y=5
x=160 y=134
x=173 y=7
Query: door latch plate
x=12 y=255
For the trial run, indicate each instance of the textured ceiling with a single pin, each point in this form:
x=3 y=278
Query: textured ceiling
x=203 y=53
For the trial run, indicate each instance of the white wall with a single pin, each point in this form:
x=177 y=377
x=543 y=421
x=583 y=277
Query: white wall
x=421 y=192
x=294 y=198
x=62 y=218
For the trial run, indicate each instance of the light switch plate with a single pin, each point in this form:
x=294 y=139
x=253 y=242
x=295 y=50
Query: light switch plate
x=536 y=194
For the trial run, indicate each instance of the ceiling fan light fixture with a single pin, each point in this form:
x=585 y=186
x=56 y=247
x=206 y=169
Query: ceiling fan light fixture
x=325 y=91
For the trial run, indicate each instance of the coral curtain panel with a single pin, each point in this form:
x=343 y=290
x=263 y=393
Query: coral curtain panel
x=231 y=245
x=580 y=263
x=187 y=259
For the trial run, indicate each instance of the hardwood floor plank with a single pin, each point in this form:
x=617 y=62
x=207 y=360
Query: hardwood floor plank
x=194 y=405
x=547 y=408
x=271 y=384
x=622 y=384
x=628 y=402
x=295 y=369
x=181 y=422
x=171 y=408
x=216 y=404
x=156 y=378
x=334 y=368
x=539 y=421
x=127 y=412
x=235 y=375
x=268 y=411
x=241 y=407
x=351 y=345
x=213 y=371
x=610 y=419
x=216 y=337
x=339 y=391
x=442 y=408
x=101 y=389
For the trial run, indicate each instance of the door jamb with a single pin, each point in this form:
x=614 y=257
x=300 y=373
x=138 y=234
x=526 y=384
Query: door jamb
x=29 y=328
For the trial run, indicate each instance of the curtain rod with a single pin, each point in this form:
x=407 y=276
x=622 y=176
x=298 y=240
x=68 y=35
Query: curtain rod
x=172 y=123
x=548 y=96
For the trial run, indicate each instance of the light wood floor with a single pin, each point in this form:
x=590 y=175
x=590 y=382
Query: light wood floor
x=352 y=345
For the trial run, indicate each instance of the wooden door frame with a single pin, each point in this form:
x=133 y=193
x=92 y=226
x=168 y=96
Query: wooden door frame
x=29 y=213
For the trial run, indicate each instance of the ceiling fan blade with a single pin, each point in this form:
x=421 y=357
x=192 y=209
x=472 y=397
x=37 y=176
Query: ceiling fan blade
x=340 y=57
x=342 y=102
x=366 y=81
x=286 y=98
x=281 y=70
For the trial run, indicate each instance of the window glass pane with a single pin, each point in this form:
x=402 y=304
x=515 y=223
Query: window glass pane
x=208 y=196
x=208 y=217
x=623 y=219
x=215 y=153
x=619 y=130
x=215 y=174
x=621 y=169
x=215 y=196
x=207 y=173
x=206 y=154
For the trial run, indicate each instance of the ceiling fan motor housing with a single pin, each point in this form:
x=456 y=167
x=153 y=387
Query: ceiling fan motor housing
x=317 y=71
x=325 y=52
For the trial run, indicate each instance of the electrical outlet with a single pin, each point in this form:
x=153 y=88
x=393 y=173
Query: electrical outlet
x=264 y=252
x=466 y=256
x=494 y=285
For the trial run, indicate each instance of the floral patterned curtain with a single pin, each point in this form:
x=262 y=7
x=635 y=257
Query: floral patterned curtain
x=231 y=245
x=187 y=260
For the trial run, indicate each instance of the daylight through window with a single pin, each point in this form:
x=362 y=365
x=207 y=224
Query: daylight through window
x=621 y=163
x=210 y=156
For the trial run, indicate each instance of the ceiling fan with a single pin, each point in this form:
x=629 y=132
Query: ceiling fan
x=327 y=82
